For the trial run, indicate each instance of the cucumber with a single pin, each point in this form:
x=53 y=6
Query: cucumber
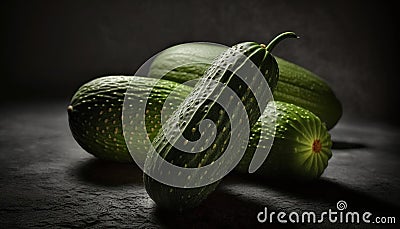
x=301 y=148
x=95 y=113
x=296 y=84
x=102 y=99
x=199 y=106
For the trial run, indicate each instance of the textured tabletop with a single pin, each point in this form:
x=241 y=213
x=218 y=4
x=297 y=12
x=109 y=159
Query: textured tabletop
x=48 y=180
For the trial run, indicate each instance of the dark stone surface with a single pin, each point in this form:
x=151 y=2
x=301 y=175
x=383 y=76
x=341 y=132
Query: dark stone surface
x=47 y=180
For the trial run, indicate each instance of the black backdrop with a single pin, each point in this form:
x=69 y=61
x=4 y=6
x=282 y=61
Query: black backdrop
x=50 y=48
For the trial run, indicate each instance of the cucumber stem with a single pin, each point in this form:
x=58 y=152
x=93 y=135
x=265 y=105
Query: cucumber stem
x=279 y=38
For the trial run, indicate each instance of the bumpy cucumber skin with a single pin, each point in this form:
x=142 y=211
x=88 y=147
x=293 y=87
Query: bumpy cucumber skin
x=296 y=84
x=292 y=155
x=176 y=199
x=94 y=117
x=95 y=113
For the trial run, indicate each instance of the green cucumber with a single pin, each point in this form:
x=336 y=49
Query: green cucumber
x=301 y=148
x=95 y=121
x=296 y=84
x=200 y=105
x=95 y=113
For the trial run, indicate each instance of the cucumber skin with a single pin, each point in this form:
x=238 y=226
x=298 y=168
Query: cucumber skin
x=87 y=115
x=95 y=113
x=291 y=156
x=296 y=84
x=110 y=92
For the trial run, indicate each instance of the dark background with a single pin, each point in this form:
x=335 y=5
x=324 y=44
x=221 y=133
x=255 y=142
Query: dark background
x=53 y=47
